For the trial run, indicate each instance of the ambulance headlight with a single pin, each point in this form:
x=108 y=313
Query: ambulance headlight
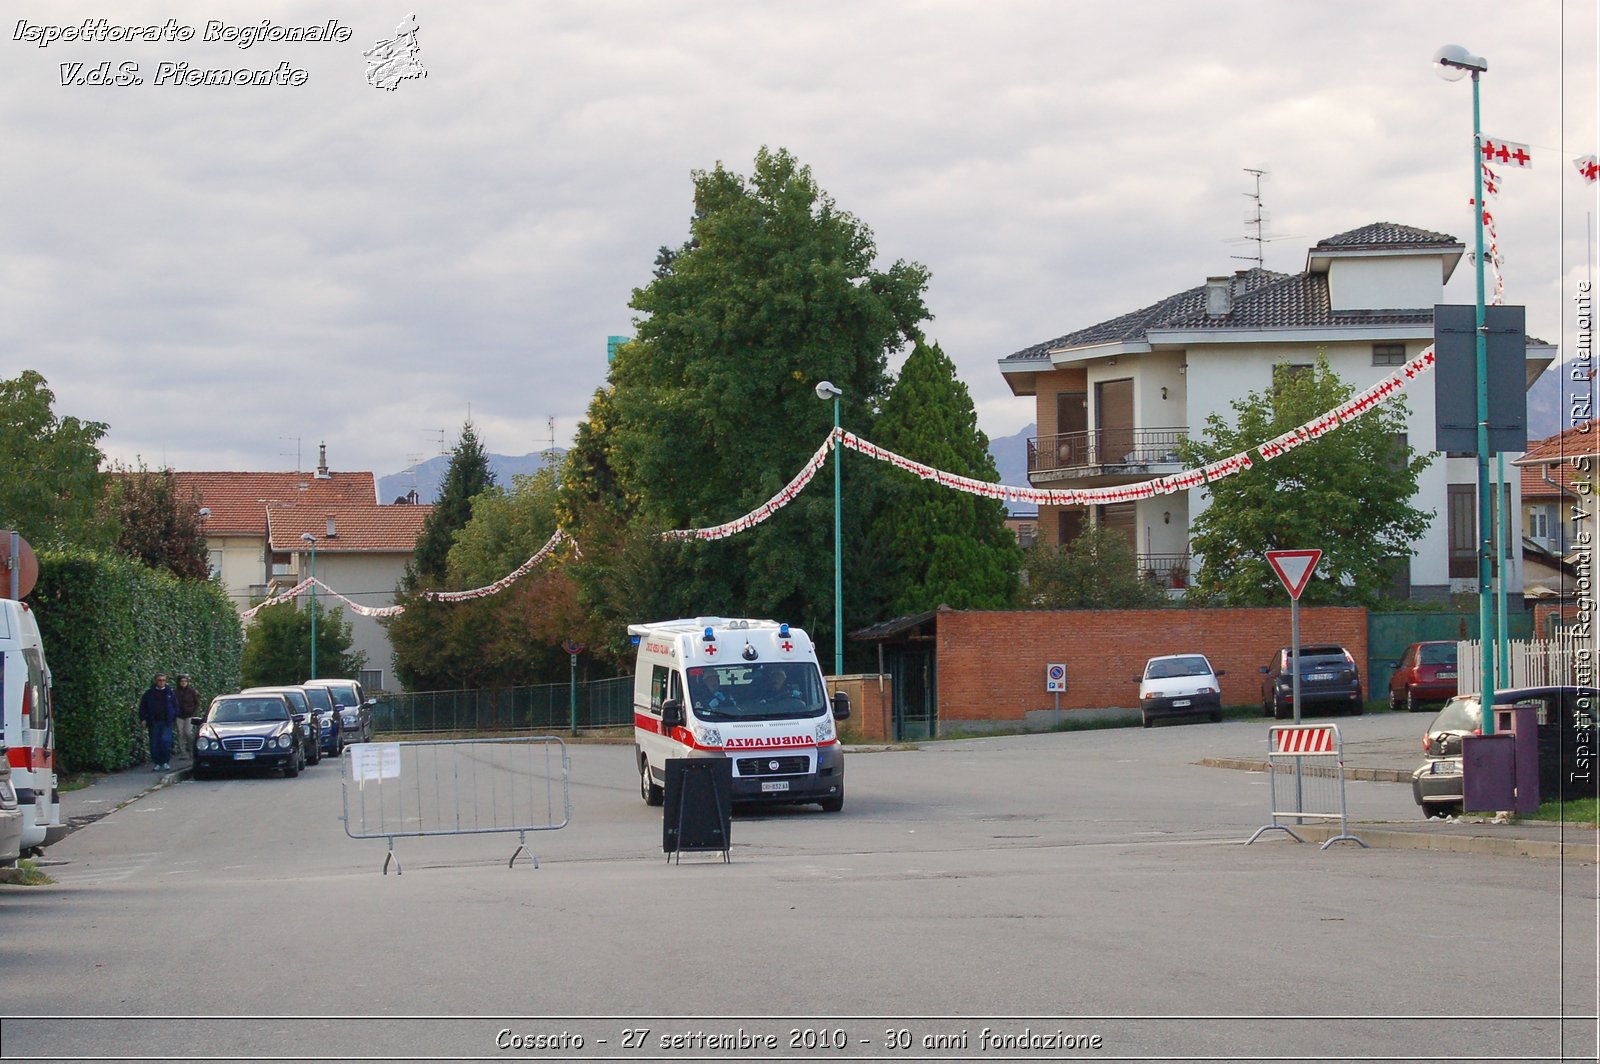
x=708 y=736
x=825 y=732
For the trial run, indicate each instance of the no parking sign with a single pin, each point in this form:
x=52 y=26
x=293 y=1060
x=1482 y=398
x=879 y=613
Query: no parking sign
x=1055 y=679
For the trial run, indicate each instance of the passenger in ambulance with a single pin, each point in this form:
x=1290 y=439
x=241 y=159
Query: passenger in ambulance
x=709 y=693
x=775 y=687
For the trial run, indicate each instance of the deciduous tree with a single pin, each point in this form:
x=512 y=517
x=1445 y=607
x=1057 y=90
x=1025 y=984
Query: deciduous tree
x=1347 y=493
x=156 y=522
x=1094 y=571
x=50 y=482
x=277 y=646
x=712 y=407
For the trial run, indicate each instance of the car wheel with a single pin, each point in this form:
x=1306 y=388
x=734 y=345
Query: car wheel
x=1394 y=702
x=1144 y=718
x=834 y=804
x=1433 y=809
x=648 y=790
x=315 y=756
x=1279 y=711
x=1216 y=716
x=199 y=771
x=1411 y=701
x=292 y=768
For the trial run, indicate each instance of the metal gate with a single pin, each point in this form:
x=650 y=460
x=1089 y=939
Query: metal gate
x=1305 y=764
x=455 y=787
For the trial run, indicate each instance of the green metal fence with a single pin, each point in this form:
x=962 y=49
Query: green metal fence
x=542 y=708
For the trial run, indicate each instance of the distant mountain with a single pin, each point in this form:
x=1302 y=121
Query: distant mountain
x=1010 y=454
x=430 y=474
x=1550 y=401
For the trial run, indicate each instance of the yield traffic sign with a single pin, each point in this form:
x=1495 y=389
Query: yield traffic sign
x=1294 y=568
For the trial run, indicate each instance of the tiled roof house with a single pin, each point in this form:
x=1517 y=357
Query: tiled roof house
x=1113 y=399
x=255 y=525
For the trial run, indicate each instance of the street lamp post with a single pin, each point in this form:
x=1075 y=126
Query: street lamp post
x=827 y=390
x=309 y=538
x=1452 y=63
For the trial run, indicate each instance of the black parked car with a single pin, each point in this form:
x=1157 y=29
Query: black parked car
x=330 y=737
x=305 y=715
x=1328 y=678
x=249 y=731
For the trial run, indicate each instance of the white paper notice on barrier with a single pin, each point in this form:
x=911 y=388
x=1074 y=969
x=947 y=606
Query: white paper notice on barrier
x=375 y=761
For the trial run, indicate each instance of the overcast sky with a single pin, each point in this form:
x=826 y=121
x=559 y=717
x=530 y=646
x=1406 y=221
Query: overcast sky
x=220 y=272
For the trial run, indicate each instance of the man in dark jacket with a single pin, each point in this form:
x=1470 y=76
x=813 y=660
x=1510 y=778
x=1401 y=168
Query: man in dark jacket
x=159 y=710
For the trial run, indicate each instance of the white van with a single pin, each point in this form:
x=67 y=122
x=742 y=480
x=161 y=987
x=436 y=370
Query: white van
x=747 y=690
x=30 y=735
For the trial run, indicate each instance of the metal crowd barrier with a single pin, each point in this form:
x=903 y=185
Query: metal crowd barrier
x=455 y=787
x=1305 y=763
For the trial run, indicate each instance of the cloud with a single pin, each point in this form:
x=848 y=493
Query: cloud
x=214 y=271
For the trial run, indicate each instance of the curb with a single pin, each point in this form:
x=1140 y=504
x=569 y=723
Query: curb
x=1384 y=839
x=1369 y=775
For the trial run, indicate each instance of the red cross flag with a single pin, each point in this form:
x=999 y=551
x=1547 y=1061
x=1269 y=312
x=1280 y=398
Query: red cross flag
x=1588 y=167
x=1294 y=568
x=1508 y=152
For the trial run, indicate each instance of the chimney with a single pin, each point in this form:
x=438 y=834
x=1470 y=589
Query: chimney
x=331 y=532
x=1219 y=296
x=322 y=461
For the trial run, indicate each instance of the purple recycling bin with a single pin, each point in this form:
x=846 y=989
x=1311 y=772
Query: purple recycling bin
x=1489 y=772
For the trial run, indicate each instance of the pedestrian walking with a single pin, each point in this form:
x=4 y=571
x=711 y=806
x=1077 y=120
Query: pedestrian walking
x=158 y=709
x=188 y=707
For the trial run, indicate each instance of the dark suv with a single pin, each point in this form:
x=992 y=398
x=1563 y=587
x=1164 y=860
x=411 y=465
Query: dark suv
x=1328 y=677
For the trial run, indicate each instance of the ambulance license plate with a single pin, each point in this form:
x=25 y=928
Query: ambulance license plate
x=244 y=757
x=772 y=786
x=1180 y=702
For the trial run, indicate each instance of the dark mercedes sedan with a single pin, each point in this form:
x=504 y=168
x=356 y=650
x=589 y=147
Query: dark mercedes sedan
x=249 y=731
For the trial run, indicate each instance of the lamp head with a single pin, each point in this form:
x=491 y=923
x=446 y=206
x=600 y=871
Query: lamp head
x=827 y=390
x=205 y=511
x=309 y=538
x=1453 y=62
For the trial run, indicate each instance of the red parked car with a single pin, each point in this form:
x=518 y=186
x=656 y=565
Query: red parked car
x=1426 y=674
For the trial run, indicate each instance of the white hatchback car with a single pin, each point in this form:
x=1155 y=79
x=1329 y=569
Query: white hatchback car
x=1179 y=685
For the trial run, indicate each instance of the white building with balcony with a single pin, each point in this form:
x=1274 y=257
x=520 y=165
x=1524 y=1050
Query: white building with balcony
x=1114 y=399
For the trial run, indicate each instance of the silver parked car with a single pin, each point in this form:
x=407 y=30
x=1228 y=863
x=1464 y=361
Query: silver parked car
x=355 y=708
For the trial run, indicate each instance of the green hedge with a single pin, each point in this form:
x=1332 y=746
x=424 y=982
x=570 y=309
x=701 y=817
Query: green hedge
x=109 y=624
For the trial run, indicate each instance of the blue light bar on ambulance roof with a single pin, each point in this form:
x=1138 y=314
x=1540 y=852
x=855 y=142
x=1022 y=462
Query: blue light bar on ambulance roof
x=783 y=631
x=634 y=639
x=709 y=637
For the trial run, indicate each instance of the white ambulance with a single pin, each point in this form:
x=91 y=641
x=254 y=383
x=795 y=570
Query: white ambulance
x=29 y=724
x=747 y=690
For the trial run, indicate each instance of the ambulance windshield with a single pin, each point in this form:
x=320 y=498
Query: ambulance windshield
x=761 y=691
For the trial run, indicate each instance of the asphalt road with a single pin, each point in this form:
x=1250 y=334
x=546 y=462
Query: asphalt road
x=1090 y=883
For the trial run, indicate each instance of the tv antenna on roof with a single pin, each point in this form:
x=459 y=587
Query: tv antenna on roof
x=285 y=454
x=1258 y=220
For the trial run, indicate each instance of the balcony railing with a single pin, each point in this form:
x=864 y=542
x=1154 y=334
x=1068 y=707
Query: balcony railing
x=1164 y=570
x=1103 y=451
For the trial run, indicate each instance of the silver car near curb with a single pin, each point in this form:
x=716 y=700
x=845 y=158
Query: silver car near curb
x=355 y=709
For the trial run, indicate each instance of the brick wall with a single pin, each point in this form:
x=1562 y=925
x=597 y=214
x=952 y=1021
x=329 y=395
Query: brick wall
x=871 y=706
x=991 y=664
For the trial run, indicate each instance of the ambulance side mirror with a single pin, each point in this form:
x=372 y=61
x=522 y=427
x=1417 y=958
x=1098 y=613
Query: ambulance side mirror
x=672 y=713
x=841 y=706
